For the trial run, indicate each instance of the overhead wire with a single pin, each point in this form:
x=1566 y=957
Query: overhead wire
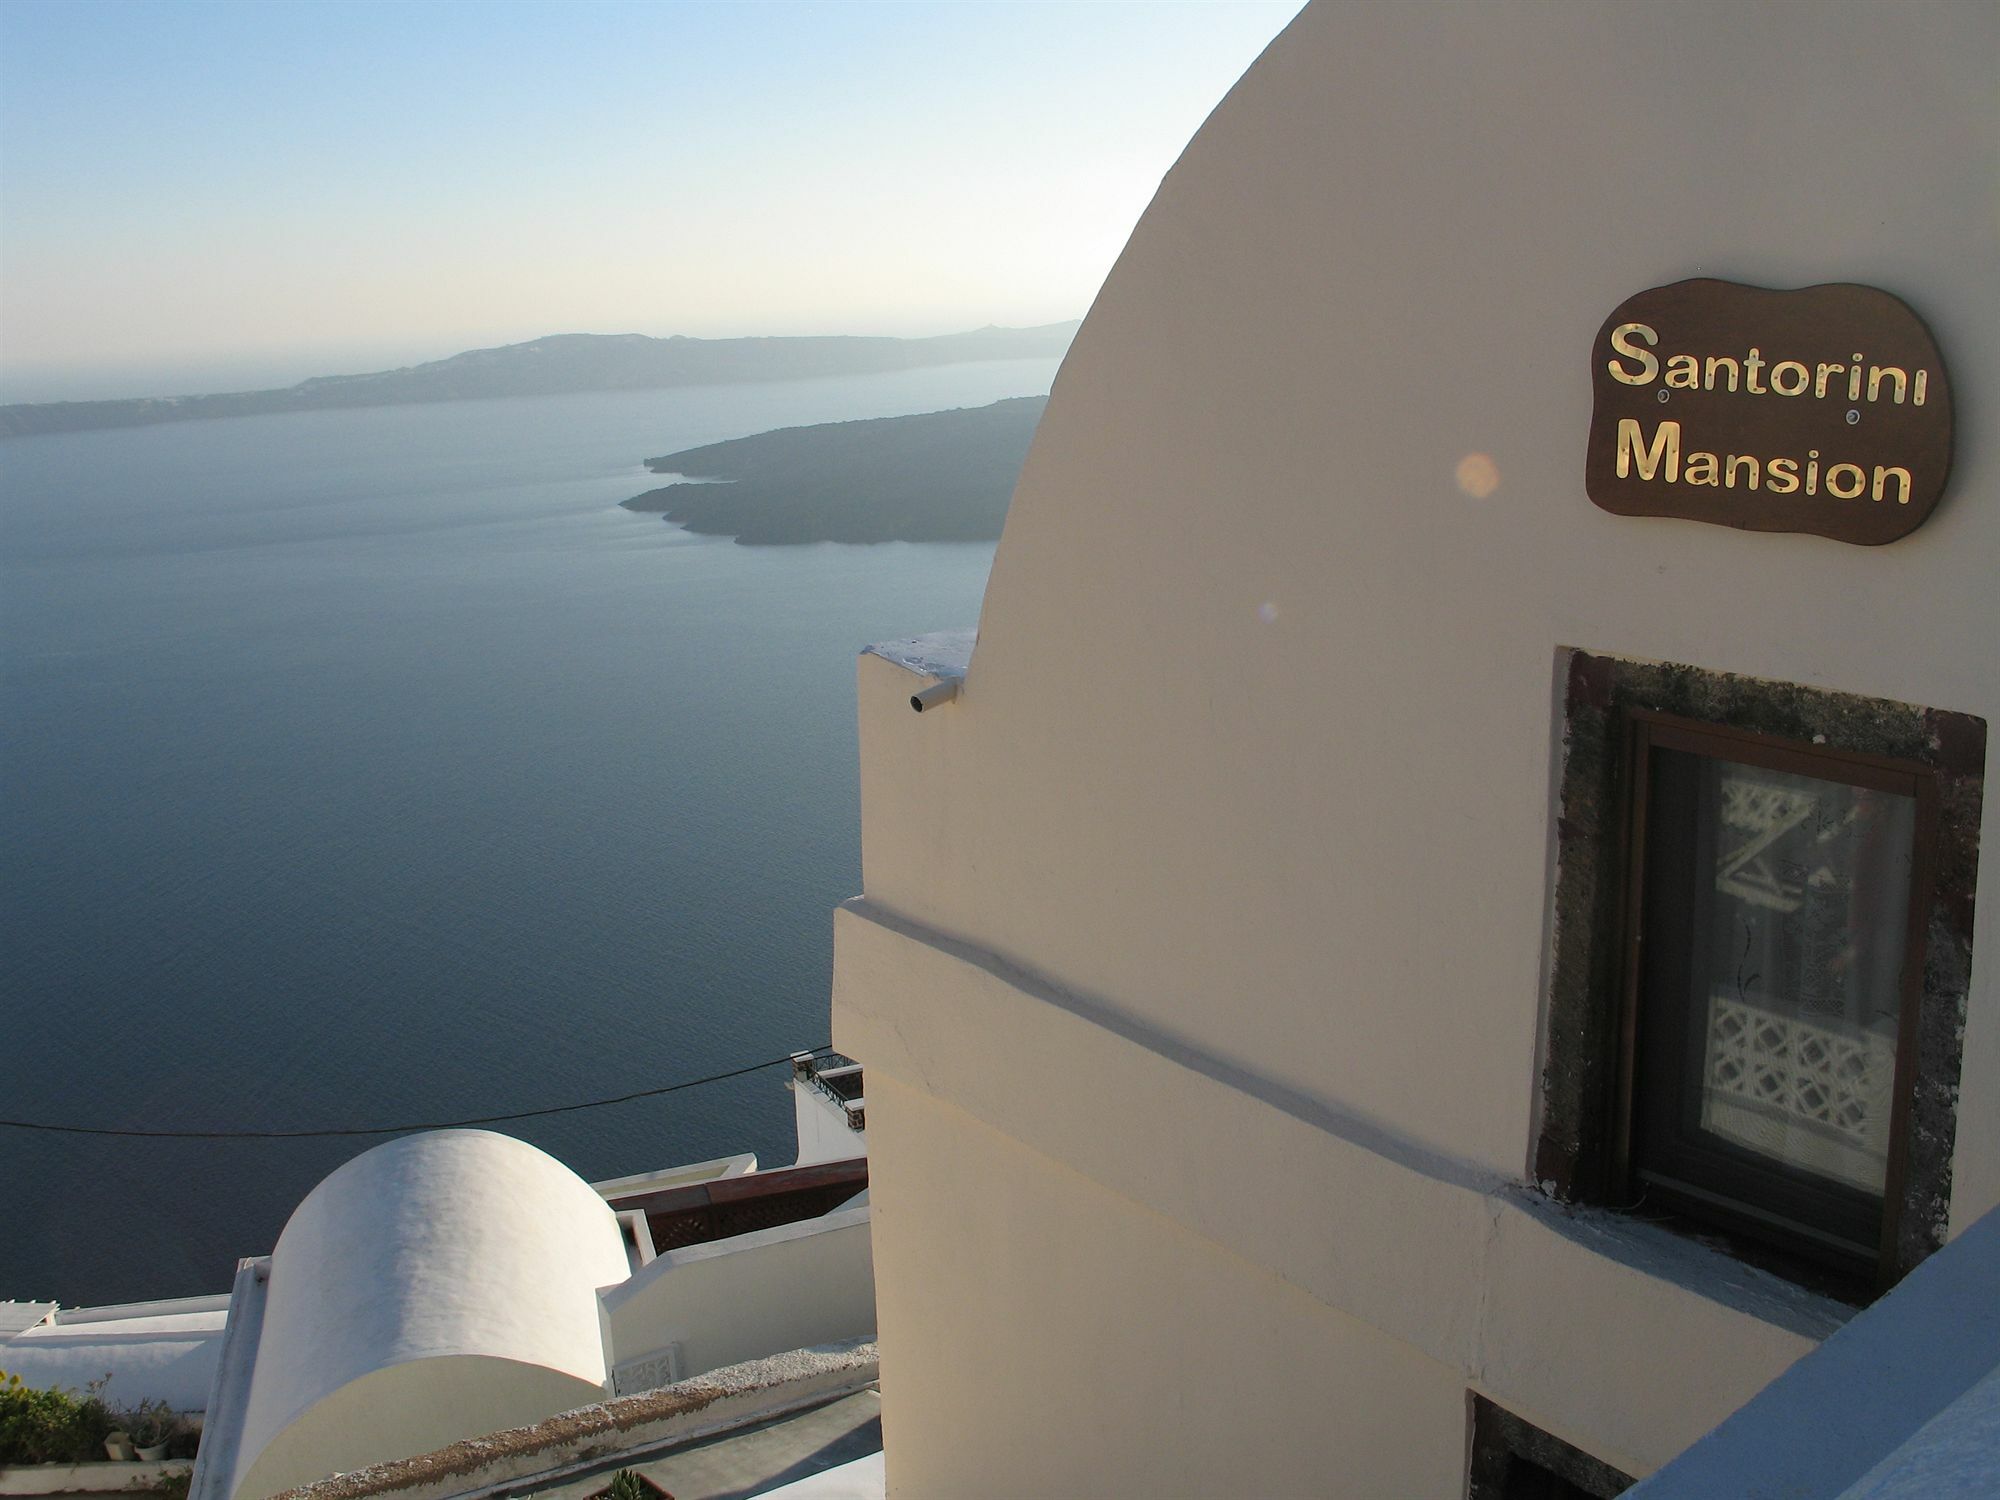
x=354 y=1130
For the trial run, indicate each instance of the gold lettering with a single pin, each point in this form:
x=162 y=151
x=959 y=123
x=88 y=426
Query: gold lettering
x=1812 y=473
x=1833 y=481
x=1666 y=444
x=1684 y=372
x=1782 y=384
x=1882 y=474
x=1752 y=363
x=1875 y=374
x=1702 y=468
x=1729 y=470
x=1923 y=380
x=1819 y=381
x=1718 y=362
x=1621 y=342
x=1783 y=473
x=1854 y=379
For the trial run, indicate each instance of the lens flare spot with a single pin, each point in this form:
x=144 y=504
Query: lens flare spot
x=1478 y=475
x=1267 y=611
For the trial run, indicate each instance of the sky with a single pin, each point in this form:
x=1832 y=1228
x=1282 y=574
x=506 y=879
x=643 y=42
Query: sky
x=208 y=195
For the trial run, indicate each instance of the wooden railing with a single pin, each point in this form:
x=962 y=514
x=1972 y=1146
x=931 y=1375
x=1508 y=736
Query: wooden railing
x=705 y=1211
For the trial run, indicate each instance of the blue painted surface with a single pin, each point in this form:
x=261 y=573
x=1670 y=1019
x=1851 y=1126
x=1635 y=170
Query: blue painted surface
x=1900 y=1402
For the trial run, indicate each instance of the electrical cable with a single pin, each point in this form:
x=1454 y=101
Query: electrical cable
x=293 y=1135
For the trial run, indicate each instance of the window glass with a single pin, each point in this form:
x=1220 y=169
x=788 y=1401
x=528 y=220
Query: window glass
x=1777 y=909
x=1801 y=995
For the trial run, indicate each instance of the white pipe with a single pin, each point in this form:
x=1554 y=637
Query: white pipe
x=936 y=695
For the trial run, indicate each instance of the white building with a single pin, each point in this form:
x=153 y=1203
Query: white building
x=1248 y=949
x=460 y=1283
x=1378 y=976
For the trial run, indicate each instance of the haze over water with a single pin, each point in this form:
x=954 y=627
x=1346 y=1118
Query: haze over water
x=371 y=767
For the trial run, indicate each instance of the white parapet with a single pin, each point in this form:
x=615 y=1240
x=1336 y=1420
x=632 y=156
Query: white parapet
x=151 y=1351
x=829 y=1128
x=753 y=1295
x=714 y=1170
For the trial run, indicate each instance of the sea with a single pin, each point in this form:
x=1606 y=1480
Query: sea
x=375 y=769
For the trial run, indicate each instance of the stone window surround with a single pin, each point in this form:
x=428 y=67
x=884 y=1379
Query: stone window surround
x=1499 y=1438
x=1573 y=1153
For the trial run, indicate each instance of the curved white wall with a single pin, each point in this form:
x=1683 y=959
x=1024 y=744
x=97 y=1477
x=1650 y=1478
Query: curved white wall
x=433 y=1288
x=1257 y=739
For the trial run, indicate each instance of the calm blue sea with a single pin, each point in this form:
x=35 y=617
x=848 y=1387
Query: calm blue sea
x=369 y=767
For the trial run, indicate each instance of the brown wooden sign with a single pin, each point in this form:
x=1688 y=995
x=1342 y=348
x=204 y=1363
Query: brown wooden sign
x=1823 y=410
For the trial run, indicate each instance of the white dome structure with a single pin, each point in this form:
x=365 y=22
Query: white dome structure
x=438 y=1285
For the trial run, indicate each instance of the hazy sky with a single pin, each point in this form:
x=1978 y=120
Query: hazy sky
x=204 y=194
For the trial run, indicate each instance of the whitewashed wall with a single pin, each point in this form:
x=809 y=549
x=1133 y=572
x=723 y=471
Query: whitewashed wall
x=1249 y=783
x=152 y=1351
x=823 y=1132
x=749 y=1296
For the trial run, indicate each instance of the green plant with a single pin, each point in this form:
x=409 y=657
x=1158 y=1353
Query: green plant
x=149 y=1424
x=173 y=1484
x=51 y=1426
x=625 y=1485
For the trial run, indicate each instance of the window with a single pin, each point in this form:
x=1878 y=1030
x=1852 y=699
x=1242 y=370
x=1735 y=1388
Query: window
x=1773 y=965
x=1763 y=940
x=1515 y=1460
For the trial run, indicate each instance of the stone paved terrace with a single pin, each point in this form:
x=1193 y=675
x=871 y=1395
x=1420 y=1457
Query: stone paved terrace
x=754 y=1461
x=734 y=1433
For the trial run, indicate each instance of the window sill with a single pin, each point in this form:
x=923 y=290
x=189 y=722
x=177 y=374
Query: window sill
x=1695 y=1260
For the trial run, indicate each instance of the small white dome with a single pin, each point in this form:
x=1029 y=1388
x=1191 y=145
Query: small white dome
x=434 y=1287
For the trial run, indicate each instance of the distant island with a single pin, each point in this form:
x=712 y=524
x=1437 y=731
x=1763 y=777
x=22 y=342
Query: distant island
x=944 y=476
x=558 y=365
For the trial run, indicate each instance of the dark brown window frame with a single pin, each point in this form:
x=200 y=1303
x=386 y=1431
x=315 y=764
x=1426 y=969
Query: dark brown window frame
x=1644 y=731
x=1581 y=1154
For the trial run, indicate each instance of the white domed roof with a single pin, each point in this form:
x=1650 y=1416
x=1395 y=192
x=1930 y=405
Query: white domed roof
x=433 y=1287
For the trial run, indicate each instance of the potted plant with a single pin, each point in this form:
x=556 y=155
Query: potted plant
x=151 y=1426
x=627 y=1484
